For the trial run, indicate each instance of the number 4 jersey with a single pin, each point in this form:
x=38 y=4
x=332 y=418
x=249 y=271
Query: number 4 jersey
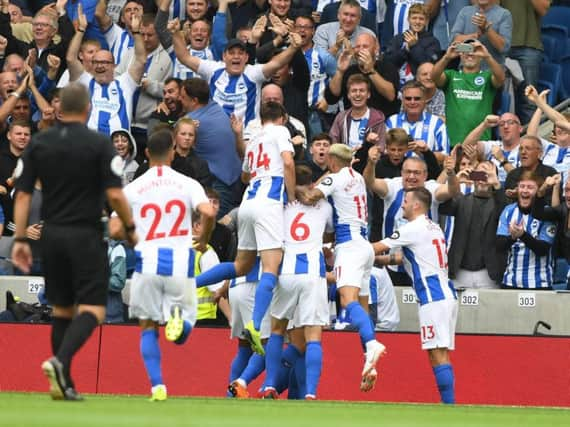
x=162 y=201
x=304 y=228
x=425 y=259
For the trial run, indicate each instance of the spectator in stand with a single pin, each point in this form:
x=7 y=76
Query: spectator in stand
x=474 y=261
x=48 y=22
x=435 y=98
x=414 y=46
x=240 y=98
x=530 y=155
x=216 y=135
x=170 y=109
x=319 y=149
x=186 y=161
x=390 y=166
x=414 y=175
x=469 y=93
x=322 y=66
x=503 y=153
x=442 y=17
x=19 y=135
x=526 y=45
x=157 y=69
x=8 y=84
x=87 y=51
x=556 y=155
x=382 y=74
x=222 y=239
x=556 y=211
x=527 y=240
x=119 y=39
x=111 y=97
x=197 y=36
x=12 y=62
x=126 y=148
x=422 y=126
x=360 y=127
x=334 y=36
x=278 y=23
x=244 y=12
x=117 y=279
x=487 y=22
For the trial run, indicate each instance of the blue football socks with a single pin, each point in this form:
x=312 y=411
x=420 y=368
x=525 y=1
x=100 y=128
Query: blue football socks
x=150 y=352
x=263 y=296
x=254 y=368
x=314 y=364
x=222 y=271
x=445 y=382
x=361 y=321
x=273 y=352
x=185 y=333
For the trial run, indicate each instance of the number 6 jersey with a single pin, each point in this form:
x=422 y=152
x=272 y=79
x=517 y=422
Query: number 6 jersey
x=162 y=201
x=425 y=258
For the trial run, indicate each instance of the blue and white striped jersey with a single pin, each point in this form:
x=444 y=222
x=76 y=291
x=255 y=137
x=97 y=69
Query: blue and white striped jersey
x=357 y=129
x=162 y=201
x=555 y=156
x=346 y=192
x=393 y=215
x=524 y=268
x=429 y=128
x=264 y=163
x=120 y=42
x=180 y=70
x=111 y=104
x=425 y=259
x=322 y=66
x=401 y=9
x=303 y=245
x=512 y=156
x=177 y=9
x=237 y=95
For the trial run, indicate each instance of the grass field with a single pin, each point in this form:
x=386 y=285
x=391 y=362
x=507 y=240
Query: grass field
x=27 y=409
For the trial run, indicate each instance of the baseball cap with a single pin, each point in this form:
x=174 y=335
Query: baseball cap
x=235 y=43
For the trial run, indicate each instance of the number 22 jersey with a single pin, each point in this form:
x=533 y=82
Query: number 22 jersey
x=162 y=201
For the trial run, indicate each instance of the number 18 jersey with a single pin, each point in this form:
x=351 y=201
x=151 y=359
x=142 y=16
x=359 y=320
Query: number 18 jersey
x=162 y=201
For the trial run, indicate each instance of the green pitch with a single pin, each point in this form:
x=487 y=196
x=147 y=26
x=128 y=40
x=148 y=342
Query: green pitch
x=25 y=409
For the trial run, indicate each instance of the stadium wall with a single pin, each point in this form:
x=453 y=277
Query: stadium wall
x=501 y=370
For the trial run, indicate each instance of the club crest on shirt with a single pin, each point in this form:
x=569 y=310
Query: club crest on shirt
x=117 y=165
x=551 y=230
x=327 y=181
x=479 y=81
x=395 y=235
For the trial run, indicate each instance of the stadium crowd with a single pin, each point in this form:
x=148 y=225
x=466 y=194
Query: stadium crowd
x=408 y=95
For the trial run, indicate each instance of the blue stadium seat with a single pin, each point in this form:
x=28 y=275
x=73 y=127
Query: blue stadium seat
x=559 y=32
x=550 y=78
x=557 y=15
x=549 y=44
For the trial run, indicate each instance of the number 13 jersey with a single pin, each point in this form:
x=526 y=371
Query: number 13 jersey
x=162 y=201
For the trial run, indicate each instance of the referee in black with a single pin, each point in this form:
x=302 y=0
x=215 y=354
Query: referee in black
x=78 y=169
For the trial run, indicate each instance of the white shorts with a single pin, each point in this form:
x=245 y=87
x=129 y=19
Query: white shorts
x=152 y=296
x=241 y=299
x=353 y=262
x=302 y=298
x=260 y=226
x=437 y=324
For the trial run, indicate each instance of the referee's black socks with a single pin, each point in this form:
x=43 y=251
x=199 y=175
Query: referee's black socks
x=77 y=333
x=59 y=326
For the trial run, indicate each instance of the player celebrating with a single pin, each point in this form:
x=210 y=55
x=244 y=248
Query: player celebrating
x=354 y=256
x=163 y=286
x=425 y=260
x=302 y=288
x=269 y=166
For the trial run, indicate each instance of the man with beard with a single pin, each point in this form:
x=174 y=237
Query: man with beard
x=170 y=109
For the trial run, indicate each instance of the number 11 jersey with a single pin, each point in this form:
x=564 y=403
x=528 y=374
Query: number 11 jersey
x=162 y=201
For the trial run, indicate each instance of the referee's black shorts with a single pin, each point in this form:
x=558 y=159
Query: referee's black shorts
x=75 y=265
